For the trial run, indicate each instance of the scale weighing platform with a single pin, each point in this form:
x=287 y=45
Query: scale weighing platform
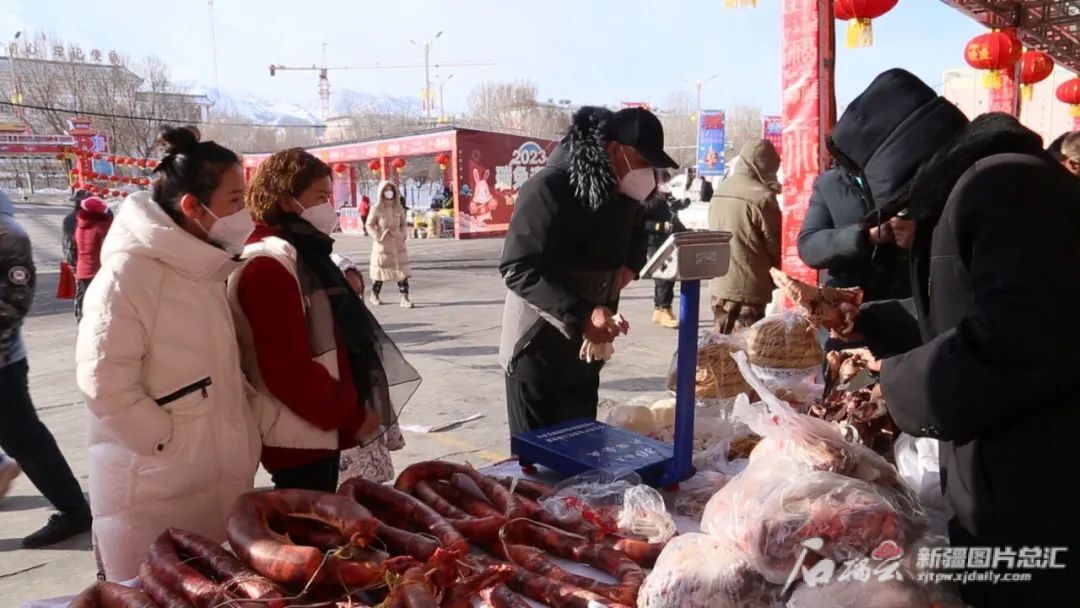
x=587 y=445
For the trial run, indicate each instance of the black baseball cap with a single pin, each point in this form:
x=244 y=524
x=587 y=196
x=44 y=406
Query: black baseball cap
x=80 y=196
x=641 y=130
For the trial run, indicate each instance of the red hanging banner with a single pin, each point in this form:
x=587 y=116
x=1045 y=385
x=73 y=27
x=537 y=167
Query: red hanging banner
x=807 y=50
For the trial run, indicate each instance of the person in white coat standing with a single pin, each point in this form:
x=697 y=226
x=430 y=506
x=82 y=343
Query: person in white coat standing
x=175 y=429
x=389 y=256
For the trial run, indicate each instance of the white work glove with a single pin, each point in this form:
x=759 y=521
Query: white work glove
x=591 y=351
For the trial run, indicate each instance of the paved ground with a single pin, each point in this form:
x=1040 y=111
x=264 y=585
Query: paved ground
x=451 y=337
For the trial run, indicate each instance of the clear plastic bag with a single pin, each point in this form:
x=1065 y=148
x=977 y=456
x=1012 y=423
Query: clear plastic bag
x=807 y=441
x=783 y=347
x=694 y=493
x=716 y=377
x=861 y=594
x=772 y=507
x=593 y=496
x=645 y=514
x=699 y=571
x=917 y=463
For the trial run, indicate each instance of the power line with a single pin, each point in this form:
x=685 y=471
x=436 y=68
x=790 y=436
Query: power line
x=26 y=106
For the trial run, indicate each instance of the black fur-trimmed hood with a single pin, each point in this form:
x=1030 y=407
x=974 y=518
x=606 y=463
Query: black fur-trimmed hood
x=985 y=136
x=583 y=155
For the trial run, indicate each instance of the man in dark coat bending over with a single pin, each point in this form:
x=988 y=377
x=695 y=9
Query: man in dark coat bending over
x=984 y=355
x=576 y=239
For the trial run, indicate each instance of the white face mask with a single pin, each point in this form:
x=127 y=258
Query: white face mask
x=322 y=216
x=230 y=232
x=638 y=184
x=388 y=195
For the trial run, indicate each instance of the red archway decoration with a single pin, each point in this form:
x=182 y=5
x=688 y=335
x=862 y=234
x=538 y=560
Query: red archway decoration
x=859 y=15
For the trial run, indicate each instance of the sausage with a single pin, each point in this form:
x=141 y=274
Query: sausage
x=229 y=570
x=642 y=552
x=103 y=594
x=461 y=593
x=278 y=558
x=163 y=595
x=177 y=575
x=402 y=542
x=408 y=508
x=554 y=593
x=524 y=487
x=499 y=496
x=476 y=528
x=500 y=596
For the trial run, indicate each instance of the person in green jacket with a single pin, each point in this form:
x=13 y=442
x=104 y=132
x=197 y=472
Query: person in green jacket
x=745 y=205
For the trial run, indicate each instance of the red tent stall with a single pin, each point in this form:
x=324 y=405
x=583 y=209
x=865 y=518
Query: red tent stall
x=483 y=170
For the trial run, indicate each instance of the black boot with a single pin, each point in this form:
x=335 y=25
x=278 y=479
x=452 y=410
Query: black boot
x=61 y=527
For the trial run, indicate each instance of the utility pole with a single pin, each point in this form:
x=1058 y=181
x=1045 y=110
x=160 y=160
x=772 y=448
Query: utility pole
x=697 y=117
x=17 y=96
x=428 y=93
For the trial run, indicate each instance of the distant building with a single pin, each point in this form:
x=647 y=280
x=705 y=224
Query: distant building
x=1043 y=113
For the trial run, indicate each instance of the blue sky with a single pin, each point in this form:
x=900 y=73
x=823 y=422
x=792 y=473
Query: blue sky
x=588 y=51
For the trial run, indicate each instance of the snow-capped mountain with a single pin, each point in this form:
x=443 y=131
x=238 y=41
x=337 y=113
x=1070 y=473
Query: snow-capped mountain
x=280 y=112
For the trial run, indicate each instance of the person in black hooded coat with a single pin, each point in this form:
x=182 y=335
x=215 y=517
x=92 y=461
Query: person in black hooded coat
x=984 y=355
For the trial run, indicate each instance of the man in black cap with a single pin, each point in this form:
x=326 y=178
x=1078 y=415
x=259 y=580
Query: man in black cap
x=576 y=239
x=984 y=356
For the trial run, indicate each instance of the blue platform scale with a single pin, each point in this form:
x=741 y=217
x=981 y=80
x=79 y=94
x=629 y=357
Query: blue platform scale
x=588 y=445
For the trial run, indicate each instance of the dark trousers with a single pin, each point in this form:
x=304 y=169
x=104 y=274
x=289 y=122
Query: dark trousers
x=550 y=384
x=320 y=475
x=363 y=223
x=663 y=293
x=80 y=292
x=402 y=287
x=25 y=438
x=1046 y=587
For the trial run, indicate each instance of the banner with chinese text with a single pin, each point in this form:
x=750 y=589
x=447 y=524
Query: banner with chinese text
x=711 y=141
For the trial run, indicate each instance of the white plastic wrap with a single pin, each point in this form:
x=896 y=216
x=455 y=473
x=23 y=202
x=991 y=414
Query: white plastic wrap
x=645 y=514
x=699 y=571
x=772 y=507
x=695 y=493
x=918 y=465
x=594 y=496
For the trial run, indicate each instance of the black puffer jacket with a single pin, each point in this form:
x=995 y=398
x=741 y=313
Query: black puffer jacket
x=834 y=240
x=17 y=282
x=985 y=353
x=661 y=221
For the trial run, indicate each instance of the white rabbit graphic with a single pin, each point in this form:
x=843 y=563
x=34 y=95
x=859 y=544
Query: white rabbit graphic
x=482 y=201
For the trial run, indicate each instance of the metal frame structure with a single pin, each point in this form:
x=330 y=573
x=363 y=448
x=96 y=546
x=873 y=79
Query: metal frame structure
x=1052 y=26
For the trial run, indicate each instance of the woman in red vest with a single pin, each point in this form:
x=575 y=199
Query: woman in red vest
x=92 y=221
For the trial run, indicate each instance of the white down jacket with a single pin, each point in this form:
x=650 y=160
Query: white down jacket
x=175 y=430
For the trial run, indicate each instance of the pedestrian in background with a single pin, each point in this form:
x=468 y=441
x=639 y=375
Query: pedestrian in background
x=661 y=221
x=93 y=221
x=23 y=437
x=745 y=205
x=1070 y=153
x=174 y=427
x=389 y=253
x=308 y=341
x=365 y=211
x=70 y=249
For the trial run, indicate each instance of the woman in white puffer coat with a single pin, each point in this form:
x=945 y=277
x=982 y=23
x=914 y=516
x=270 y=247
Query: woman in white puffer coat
x=175 y=430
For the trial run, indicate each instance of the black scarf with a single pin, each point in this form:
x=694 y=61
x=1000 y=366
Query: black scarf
x=382 y=377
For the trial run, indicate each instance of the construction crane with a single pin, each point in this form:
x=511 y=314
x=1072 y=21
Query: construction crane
x=324 y=74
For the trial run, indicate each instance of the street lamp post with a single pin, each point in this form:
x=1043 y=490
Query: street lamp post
x=697 y=123
x=16 y=98
x=442 y=85
x=426 y=48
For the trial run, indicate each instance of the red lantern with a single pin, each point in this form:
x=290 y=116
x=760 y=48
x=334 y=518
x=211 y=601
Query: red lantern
x=152 y=164
x=375 y=166
x=993 y=52
x=142 y=163
x=1035 y=67
x=340 y=168
x=1069 y=92
x=398 y=164
x=443 y=160
x=858 y=14
x=117 y=193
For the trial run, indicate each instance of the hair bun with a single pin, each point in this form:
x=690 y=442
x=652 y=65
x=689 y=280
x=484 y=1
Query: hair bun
x=179 y=140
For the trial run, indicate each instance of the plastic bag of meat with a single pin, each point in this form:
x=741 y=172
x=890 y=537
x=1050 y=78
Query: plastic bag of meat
x=695 y=493
x=593 y=496
x=860 y=594
x=776 y=511
x=808 y=441
x=699 y=571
